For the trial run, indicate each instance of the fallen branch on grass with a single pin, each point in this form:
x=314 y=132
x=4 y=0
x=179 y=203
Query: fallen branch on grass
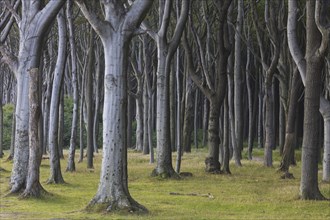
x=208 y=195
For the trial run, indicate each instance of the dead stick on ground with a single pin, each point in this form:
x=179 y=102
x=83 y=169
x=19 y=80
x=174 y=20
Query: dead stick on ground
x=209 y=195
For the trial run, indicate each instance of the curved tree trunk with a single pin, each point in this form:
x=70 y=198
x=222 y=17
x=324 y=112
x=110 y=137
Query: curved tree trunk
x=310 y=150
x=288 y=148
x=89 y=99
x=55 y=167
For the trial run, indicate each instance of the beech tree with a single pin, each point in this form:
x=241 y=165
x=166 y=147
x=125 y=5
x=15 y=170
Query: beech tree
x=115 y=29
x=33 y=22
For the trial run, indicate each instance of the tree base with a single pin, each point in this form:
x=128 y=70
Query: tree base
x=35 y=192
x=168 y=174
x=312 y=196
x=52 y=180
x=123 y=204
x=287 y=175
x=212 y=166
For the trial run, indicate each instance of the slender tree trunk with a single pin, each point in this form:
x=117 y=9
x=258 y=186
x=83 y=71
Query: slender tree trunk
x=226 y=137
x=145 y=118
x=172 y=89
x=98 y=91
x=1 y=115
x=61 y=125
x=196 y=119
x=188 y=116
x=12 y=141
x=89 y=99
x=288 y=148
x=178 y=114
x=55 y=167
x=269 y=127
x=205 y=119
x=73 y=139
x=260 y=115
x=139 y=123
x=326 y=154
x=238 y=82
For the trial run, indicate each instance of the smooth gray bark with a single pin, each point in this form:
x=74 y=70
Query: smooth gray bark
x=55 y=167
x=73 y=138
x=115 y=32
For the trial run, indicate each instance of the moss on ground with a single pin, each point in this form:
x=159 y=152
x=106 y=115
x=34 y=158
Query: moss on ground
x=251 y=192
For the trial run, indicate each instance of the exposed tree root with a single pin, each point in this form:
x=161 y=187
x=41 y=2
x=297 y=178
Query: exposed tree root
x=168 y=174
x=36 y=191
x=125 y=204
x=287 y=175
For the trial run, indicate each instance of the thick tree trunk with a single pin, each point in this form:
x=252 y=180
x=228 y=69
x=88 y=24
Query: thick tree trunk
x=113 y=190
x=310 y=150
x=212 y=161
x=55 y=167
x=164 y=166
x=33 y=186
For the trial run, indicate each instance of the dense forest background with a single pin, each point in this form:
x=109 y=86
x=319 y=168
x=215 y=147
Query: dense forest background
x=161 y=77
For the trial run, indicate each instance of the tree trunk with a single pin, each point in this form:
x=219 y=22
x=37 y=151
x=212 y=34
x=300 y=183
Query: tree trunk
x=164 y=166
x=226 y=137
x=288 y=148
x=326 y=154
x=172 y=89
x=212 y=160
x=269 y=126
x=73 y=139
x=205 y=119
x=55 y=167
x=260 y=115
x=12 y=141
x=89 y=99
x=145 y=118
x=238 y=83
x=139 y=123
x=1 y=116
x=33 y=186
x=61 y=125
x=114 y=193
x=310 y=150
x=188 y=116
x=195 y=119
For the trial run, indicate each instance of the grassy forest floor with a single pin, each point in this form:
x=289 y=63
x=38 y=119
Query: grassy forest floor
x=251 y=192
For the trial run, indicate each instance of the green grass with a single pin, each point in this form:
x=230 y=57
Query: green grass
x=251 y=192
